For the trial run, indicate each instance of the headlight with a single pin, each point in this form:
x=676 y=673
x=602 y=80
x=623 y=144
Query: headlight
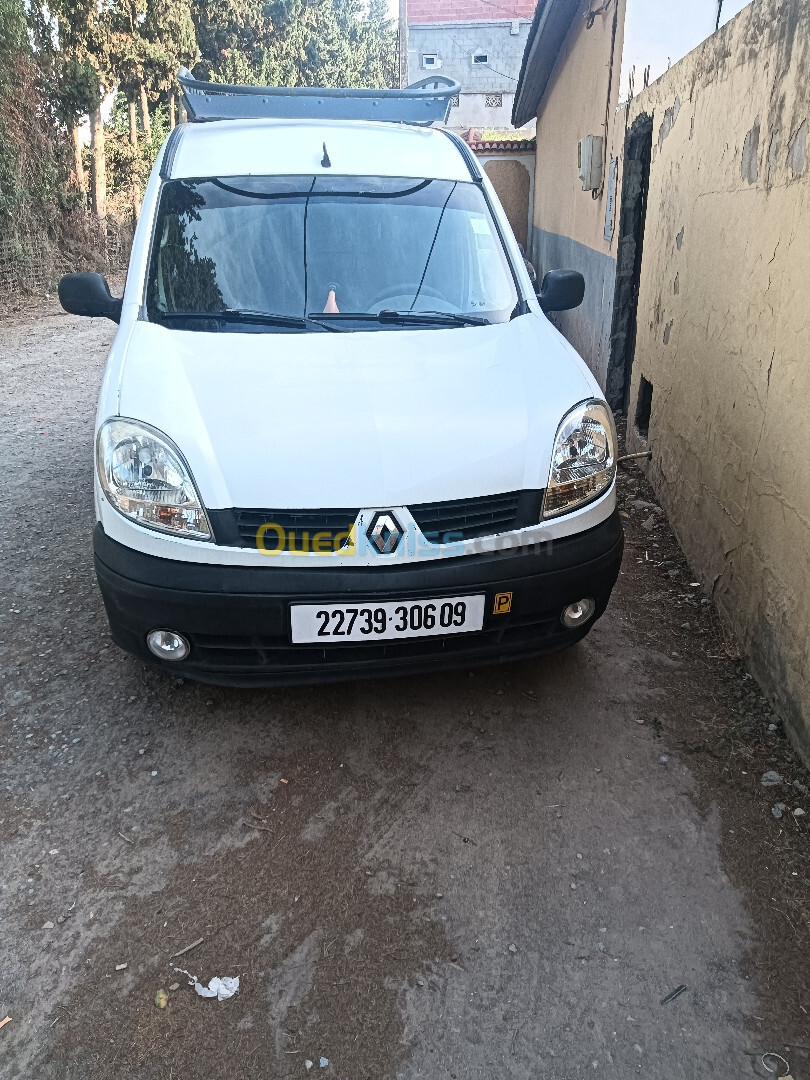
x=144 y=476
x=583 y=462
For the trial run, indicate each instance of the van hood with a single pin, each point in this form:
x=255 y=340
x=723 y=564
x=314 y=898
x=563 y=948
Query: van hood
x=356 y=420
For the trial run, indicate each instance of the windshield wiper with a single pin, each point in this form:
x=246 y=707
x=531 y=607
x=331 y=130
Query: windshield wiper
x=403 y=317
x=459 y=318
x=239 y=315
x=269 y=317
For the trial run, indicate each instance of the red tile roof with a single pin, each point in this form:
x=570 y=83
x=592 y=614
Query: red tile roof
x=502 y=146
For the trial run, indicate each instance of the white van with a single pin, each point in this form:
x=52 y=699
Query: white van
x=337 y=435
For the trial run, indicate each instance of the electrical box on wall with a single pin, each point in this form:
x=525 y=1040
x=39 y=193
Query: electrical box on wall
x=589 y=161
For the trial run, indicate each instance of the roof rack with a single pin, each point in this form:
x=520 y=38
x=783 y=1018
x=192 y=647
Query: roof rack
x=423 y=102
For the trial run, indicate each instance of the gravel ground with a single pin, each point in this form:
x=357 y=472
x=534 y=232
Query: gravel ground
x=496 y=873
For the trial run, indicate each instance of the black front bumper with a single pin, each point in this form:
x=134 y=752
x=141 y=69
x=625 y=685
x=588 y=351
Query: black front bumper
x=237 y=618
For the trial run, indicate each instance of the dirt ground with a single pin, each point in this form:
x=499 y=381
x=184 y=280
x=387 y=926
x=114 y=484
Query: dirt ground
x=499 y=873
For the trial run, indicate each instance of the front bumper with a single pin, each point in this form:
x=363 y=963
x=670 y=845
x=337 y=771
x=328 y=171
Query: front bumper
x=237 y=619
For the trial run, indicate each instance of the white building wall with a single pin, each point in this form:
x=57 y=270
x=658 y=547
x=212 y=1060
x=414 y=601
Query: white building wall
x=454 y=45
x=478 y=111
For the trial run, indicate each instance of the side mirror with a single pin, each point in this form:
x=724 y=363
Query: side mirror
x=561 y=290
x=89 y=294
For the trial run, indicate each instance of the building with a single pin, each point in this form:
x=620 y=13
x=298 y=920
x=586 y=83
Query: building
x=582 y=58
x=687 y=210
x=480 y=44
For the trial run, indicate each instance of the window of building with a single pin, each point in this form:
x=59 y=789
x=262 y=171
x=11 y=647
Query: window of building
x=493 y=101
x=431 y=60
x=480 y=58
x=454 y=101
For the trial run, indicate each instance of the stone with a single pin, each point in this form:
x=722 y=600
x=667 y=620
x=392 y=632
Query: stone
x=771 y=778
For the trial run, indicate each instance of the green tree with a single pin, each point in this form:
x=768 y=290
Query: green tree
x=81 y=31
x=380 y=46
x=234 y=37
x=169 y=29
x=296 y=42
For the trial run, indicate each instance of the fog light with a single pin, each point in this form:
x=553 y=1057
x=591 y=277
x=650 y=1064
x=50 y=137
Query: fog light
x=167 y=644
x=578 y=614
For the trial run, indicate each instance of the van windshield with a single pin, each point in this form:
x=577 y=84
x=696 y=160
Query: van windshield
x=326 y=253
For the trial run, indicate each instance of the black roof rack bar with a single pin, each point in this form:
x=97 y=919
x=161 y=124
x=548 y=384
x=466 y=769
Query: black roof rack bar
x=422 y=103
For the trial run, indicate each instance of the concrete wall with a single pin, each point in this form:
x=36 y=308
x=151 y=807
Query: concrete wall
x=455 y=44
x=478 y=111
x=569 y=223
x=724 y=332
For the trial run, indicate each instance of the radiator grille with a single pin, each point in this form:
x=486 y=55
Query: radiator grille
x=239 y=528
x=440 y=522
x=465 y=519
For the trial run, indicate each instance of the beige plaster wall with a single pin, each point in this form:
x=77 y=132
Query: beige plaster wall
x=568 y=224
x=724 y=332
x=511 y=181
x=575 y=105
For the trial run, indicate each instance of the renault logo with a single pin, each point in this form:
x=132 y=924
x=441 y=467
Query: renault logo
x=384 y=532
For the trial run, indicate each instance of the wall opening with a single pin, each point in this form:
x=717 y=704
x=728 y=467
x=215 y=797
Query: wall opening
x=630 y=246
x=643 y=407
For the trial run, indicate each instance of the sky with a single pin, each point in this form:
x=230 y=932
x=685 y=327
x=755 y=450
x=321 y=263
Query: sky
x=656 y=31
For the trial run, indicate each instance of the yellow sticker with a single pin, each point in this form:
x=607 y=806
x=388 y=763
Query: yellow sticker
x=503 y=603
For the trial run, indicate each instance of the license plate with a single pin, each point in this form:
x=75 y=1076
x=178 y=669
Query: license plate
x=385 y=621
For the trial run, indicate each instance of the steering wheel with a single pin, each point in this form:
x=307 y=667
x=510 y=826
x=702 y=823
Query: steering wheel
x=403 y=295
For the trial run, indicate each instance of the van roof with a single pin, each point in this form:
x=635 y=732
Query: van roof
x=296 y=147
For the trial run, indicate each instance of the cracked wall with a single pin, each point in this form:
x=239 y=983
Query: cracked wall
x=724 y=332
